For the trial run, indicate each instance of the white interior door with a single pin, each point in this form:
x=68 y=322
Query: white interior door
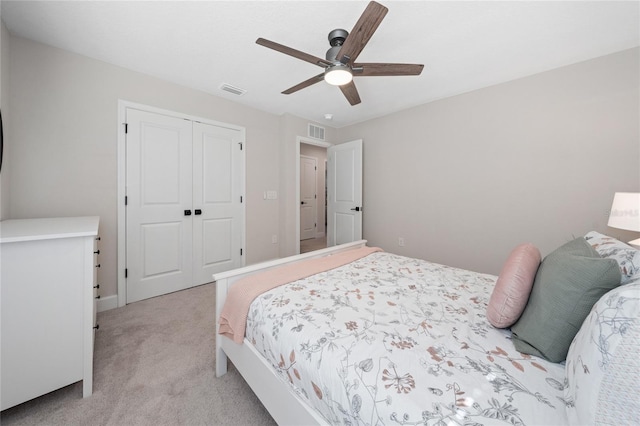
x=158 y=190
x=308 y=197
x=217 y=190
x=344 y=193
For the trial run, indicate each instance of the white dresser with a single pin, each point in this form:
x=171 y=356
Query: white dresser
x=48 y=300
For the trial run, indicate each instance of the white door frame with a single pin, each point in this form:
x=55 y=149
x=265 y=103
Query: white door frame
x=308 y=141
x=122 y=181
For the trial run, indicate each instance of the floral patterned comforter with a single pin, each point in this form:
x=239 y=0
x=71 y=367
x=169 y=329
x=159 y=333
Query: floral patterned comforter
x=399 y=341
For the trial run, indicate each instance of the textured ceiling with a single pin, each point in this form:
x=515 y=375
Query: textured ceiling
x=202 y=44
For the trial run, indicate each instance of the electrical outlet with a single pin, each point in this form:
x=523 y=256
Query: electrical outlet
x=401 y=241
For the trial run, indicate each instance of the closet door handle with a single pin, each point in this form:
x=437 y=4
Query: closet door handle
x=187 y=212
x=198 y=212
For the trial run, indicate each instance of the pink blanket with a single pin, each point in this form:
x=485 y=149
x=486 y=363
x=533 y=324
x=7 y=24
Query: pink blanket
x=233 y=318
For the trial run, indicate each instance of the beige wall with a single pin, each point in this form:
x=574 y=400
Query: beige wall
x=64 y=138
x=462 y=180
x=465 y=179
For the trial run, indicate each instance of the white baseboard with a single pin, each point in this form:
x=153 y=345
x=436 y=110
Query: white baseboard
x=108 y=302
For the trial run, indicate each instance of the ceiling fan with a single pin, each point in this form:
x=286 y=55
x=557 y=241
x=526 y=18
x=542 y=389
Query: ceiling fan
x=340 y=66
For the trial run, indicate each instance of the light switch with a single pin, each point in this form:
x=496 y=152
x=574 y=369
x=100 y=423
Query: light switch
x=272 y=195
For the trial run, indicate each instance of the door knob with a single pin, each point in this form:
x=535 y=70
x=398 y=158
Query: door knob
x=198 y=212
x=357 y=209
x=187 y=212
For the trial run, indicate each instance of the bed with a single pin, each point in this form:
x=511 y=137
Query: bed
x=386 y=339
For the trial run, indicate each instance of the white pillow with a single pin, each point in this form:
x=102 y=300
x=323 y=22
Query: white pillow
x=628 y=258
x=603 y=366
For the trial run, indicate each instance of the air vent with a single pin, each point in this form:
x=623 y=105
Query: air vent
x=232 y=89
x=316 y=132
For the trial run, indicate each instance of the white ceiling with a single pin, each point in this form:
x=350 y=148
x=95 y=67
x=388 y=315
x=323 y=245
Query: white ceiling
x=202 y=44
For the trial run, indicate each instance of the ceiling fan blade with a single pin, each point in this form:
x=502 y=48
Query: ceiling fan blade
x=362 y=32
x=351 y=93
x=313 y=80
x=293 y=52
x=375 y=69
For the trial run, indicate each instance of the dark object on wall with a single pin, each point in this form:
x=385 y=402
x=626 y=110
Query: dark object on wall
x=0 y=140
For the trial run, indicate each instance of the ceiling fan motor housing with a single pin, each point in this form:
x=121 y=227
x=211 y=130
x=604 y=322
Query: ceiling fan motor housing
x=336 y=38
x=332 y=53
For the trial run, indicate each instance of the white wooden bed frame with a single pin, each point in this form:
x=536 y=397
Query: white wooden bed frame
x=284 y=405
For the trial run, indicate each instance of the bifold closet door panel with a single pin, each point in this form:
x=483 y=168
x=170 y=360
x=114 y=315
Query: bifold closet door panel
x=217 y=200
x=159 y=195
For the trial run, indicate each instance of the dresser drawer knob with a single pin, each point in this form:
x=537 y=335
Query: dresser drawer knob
x=98 y=297
x=96 y=286
x=98 y=265
x=96 y=252
x=96 y=327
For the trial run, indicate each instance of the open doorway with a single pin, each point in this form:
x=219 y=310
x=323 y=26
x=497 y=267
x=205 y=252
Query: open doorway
x=343 y=194
x=313 y=197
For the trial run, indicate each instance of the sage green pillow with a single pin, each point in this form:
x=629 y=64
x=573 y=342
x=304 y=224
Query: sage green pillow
x=568 y=283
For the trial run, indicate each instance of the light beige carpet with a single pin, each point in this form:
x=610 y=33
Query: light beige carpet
x=153 y=365
x=313 y=244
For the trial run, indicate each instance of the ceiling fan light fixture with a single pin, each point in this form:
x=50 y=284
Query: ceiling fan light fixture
x=340 y=63
x=338 y=75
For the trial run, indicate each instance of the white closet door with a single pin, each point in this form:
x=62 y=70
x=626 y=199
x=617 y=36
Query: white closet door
x=159 y=190
x=217 y=190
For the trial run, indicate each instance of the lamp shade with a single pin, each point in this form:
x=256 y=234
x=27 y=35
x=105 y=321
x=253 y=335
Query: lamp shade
x=625 y=211
x=338 y=74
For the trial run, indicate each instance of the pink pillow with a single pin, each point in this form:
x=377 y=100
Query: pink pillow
x=513 y=287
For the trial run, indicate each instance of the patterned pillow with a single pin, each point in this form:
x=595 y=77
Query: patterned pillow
x=512 y=289
x=627 y=257
x=603 y=366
